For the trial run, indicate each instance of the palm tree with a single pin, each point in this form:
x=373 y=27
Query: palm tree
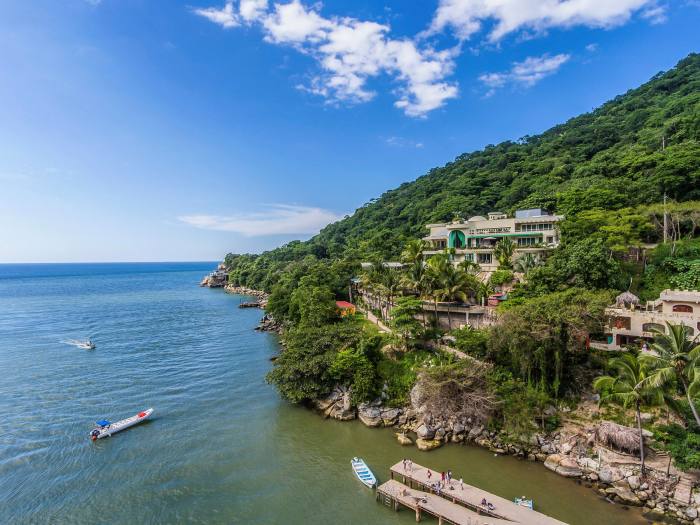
x=413 y=252
x=677 y=357
x=470 y=267
x=413 y=280
x=525 y=263
x=630 y=388
x=389 y=284
x=436 y=267
x=504 y=252
x=455 y=285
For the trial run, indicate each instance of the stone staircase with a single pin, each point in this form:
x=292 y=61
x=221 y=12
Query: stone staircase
x=683 y=491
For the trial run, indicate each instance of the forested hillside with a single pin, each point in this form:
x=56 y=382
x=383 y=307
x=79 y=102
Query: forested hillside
x=608 y=172
x=628 y=152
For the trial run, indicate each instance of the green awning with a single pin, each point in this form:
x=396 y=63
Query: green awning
x=519 y=234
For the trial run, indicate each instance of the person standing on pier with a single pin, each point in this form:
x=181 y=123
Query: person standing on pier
x=430 y=474
x=461 y=484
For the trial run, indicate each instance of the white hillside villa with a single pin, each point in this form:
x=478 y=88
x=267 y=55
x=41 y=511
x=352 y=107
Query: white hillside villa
x=532 y=231
x=631 y=323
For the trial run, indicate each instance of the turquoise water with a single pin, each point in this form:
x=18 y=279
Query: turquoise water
x=222 y=447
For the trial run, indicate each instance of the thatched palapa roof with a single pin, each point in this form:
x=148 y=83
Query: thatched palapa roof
x=618 y=437
x=626 y=298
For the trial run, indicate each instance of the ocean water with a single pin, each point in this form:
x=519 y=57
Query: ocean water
x=222 y=446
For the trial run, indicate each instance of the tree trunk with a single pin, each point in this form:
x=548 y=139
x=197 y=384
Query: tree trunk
x=691 y=403
x=449 y=317
x=641 y=438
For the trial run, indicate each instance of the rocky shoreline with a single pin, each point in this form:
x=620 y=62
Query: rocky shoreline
x=569 y=453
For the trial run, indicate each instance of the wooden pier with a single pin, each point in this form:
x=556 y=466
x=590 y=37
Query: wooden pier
x=459 y=505
x=393 y=494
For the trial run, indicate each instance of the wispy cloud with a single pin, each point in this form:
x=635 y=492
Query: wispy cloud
x=526 y=73
x=466 y=18
x=224 y=16
x=401 y=142
x=348 y=53
x=656 y=14
x=278 y=219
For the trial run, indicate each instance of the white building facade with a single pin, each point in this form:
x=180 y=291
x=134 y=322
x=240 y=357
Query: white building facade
x=633 y=324
x=532 y=231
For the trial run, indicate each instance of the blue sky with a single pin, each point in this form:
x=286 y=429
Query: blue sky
x=144 y=130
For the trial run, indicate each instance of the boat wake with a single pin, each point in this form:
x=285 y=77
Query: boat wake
x=76 y=343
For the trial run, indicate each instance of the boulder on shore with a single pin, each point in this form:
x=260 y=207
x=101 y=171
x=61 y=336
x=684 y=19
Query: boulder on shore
x=563 y=465
x=428 y=444
x=370 y=414
x=403 y=439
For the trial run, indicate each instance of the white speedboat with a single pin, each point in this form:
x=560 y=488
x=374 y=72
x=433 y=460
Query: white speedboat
x=363 y=473
x=105 y=428
x=87 y=345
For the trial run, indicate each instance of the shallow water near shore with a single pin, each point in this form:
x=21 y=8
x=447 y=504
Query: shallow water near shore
x=222 y=447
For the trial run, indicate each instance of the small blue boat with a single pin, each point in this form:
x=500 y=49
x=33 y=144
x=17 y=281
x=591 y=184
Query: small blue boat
x=363 y=473
x=524 y=502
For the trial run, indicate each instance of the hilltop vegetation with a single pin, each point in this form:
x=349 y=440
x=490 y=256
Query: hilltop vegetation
x=607 y=171
x=626 y=153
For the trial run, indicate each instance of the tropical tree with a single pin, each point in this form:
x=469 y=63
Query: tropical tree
x=525 y=263
x=677 y=358
x=413 y=280
x=390 y=284
x=413 y=252
x=470 y=267
x=630 y=388
x=403 y=320
x=503 y=251
x=455 y=285
x=436 y=267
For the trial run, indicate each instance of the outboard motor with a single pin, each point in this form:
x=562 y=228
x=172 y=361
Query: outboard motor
x=94 y=434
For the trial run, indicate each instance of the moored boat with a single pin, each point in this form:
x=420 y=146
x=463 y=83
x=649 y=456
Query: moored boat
x=363 y=473
x=105 y=428
x=524 y=502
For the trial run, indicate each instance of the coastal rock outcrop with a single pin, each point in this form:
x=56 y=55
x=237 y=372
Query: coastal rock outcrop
x=217 y=278
x=428 y=444
x=337 y=405
x=269 y=324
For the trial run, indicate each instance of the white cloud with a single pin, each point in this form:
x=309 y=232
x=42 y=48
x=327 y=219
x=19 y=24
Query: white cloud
x=526 y=73
x=251 y=10
x=224 y=16
x=349 y=52
x=279 y=219
x=656 y=14
x=468 y=17
x=401 y=142
x=592 y=47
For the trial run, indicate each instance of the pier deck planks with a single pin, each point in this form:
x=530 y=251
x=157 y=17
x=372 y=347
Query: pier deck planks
x=471 y=497
x=444 y=510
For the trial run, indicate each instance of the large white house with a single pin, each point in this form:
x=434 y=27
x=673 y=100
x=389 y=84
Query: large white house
x=532 y=231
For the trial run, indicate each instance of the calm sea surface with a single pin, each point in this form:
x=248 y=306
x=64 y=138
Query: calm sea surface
x=223 y=447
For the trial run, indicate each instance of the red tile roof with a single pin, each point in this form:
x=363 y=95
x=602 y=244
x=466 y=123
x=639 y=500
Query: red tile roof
x=343 y=305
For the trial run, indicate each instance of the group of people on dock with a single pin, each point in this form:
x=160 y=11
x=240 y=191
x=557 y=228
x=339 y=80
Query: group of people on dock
x=438 y=486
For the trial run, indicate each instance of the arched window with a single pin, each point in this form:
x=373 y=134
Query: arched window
x=650 y=327
x=684 y=308
x=457 y=239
